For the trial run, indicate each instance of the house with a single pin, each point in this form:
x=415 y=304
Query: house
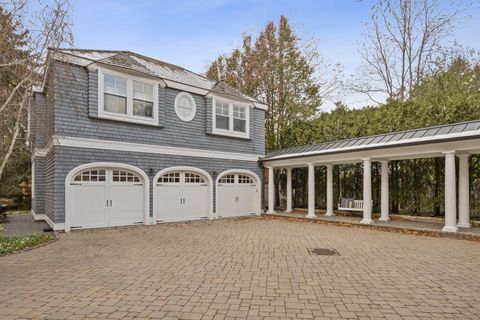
x=123 y=139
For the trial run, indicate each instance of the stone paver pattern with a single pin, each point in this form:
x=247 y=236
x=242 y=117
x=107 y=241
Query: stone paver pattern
x=249 y=268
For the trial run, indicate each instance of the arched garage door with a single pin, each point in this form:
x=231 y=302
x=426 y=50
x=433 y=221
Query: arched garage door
x=182 y=194
x=237 y=194
x=104 y=197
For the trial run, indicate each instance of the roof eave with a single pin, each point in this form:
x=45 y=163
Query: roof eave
x=475 y=135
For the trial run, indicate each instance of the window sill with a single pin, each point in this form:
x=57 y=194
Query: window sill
x=230 y=134
x=119 y=118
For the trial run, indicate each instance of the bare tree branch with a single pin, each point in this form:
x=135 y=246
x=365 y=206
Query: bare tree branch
x=15 y=136
x=401 y=42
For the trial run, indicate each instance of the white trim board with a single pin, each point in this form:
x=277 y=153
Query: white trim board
x=145 y=148
x=44 y=217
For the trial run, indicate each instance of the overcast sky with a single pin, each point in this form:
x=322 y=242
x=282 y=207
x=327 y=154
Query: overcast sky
x=191 y=33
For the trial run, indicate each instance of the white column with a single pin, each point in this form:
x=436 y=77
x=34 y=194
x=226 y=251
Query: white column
x=289 y=190
x=329 y=190
x=311 y=191
x=463 y=192
x=271 y=191
x=450 y=193
x=367 y=192
x=384 y=192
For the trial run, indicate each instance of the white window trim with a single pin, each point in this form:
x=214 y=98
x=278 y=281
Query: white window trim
x=231 y=132
x=194 y=106
x=129 y=117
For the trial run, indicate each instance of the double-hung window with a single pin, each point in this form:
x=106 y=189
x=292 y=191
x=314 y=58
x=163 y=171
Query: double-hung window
x=222 y=115
x=230 y=118
x=115 y=94
x=127 y=98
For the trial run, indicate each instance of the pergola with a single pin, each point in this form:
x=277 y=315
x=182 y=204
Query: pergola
x=449 y=141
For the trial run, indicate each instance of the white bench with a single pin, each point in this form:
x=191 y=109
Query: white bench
x=347 y=204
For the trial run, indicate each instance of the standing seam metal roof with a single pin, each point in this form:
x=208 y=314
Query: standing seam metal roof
x=390 y=138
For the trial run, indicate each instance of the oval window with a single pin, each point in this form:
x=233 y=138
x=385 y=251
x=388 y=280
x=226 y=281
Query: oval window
x=185 y=106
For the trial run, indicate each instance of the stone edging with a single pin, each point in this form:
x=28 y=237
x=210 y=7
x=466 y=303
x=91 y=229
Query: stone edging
x=420 y=232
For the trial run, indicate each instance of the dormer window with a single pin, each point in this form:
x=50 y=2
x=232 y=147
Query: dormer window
x=127 y=98
x=142 y=99
x=115 y=94
x=230 y=118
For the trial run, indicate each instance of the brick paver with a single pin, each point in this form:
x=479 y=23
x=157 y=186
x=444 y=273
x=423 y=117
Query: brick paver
x=252 y=268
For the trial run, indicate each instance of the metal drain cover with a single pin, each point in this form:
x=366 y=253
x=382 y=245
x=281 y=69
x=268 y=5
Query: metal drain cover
x=322 y=252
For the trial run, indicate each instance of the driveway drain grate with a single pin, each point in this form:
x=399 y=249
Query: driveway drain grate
x=322 y=252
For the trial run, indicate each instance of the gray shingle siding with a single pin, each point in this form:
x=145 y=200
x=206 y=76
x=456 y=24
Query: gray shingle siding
x=38 y=126
x=38 y=202
x=70 y=108
x=67 y=158
x=75 y=100
x=49 y=186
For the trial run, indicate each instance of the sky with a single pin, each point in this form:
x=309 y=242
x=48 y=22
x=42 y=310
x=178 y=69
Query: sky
x=192 y=33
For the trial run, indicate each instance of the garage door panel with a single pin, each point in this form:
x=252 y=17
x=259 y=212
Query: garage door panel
x=127 y=204
x=226 y=200
x=102 y=197
x=89 y=206
x=168 y=203
x=182 y=195
x=246 y=200
x=196 y=201
x=237 y=195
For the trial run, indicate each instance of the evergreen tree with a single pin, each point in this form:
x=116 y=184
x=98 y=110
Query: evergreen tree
x=276 y=71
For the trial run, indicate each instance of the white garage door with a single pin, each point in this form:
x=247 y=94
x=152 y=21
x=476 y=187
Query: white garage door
x=181 y=195
x=106 y=197
x=237 y=195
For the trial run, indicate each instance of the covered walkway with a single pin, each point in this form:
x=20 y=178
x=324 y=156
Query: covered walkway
x=454 y=141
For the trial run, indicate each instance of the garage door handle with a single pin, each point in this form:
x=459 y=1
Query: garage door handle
x=110 y=203
x=107 y=203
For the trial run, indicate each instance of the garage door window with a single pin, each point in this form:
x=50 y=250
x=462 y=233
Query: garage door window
x=173 y=177
x=229 y=178
x=90 y=175
x=193 y=178
x=244 y=179
x=124 y=176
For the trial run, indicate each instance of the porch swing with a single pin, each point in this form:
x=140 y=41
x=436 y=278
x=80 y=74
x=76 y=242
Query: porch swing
x=348 y=204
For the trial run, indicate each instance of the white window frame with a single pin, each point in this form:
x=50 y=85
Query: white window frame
x=194 y=106
x=129 y=117
x=231 y=132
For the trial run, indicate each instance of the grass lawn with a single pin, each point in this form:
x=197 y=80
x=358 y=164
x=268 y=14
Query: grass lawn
x=17 y=243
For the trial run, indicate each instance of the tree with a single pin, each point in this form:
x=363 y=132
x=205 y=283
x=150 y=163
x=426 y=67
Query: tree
x=402 y=42
x=25 y=37
x=280 y=70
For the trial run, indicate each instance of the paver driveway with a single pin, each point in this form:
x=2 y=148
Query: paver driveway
x=245 y=268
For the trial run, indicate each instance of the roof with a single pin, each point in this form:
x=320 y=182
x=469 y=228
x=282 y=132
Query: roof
x=170 y=73
x=391 y=139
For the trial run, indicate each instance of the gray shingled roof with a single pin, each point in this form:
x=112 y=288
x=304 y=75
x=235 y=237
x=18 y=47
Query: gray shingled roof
x=155 y=68
x=422 y=135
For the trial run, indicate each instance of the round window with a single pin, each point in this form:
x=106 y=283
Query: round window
x=185 y=106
